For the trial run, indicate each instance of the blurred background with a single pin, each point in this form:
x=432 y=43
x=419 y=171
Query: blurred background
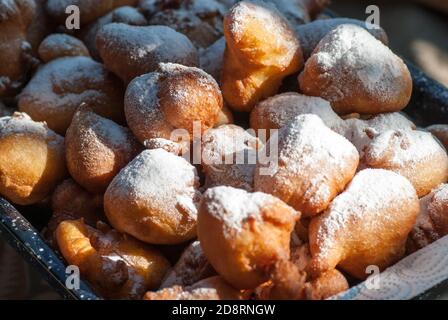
x=418 y=31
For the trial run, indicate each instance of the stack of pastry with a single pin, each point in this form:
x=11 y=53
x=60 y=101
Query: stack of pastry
x=106 y=133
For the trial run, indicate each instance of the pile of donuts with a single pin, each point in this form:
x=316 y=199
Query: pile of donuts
x=87 y=123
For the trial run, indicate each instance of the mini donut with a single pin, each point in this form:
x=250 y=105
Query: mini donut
x=311 y=33
x=188 y=23
x=154 y=198
x=440 y=131
x=277 y=111
x=59 y=45
x=31 y=159
x=356 y=72
x=243 y=234
x=116 y=265
x=365 y=225
x=191 y=267
x=71 y=202
x=289 y=283
x=229 y=156
x=96 y=149
x=213 y=288
x=131 y=51
x=211 y=58
x=62 y=85
x=314 y=165
x=261 y=50
x=173 y=97
x=432 y=221
x=125 y=14
x=360 y=132
x=89 y=10
x=416 y=155
x=15 y=52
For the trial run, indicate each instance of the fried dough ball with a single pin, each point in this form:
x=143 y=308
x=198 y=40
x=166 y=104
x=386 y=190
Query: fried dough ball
x=126 y=14
x=311 y=33
x=96 y=149
x=314 y=165
x=416 y=155
x=243 y=234
x=229 y=156
x=361 y=132
x=213 y=288
x=15 y=51
x=432 y=221
x=355 y=72
x=89 y=10
x=174 y=97
x=31 y=159
x=365 y=225
x=62 y=85
x=59 y=45
x=154 y=198
x=261 y=50
x=191 y=267
x=277 y=111
x=131 y=51
x=71 y=202
x=116 y=265
x=440 y=131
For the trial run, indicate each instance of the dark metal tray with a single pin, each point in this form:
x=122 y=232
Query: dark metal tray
x=429 y=105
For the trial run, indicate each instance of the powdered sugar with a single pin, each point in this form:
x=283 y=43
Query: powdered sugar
x=279 y=110
x=402 y=148
x=235 y=206
x=350 y=54
x=161 y=180
x=371 y=192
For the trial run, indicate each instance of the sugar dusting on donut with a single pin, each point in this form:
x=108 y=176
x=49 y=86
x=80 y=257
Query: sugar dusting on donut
x=351 y=48
x=167 y=180
x=235 y=206
x=371 y=190
x=282 y=108
x=20 y=123
x=403 y=147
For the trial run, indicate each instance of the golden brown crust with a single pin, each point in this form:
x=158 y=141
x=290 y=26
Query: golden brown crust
x=314 y=165
x=244 y=234
x=71 y=202
x=365 y=225
x=59 y=45
x=415 y=155
x=62 y=85
x=31 y=159
x=356 y=73
x=253 y=66
x=130 y=51
x=97 y=149
x=116 y=265
x=154 y=198
x=175 y=97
